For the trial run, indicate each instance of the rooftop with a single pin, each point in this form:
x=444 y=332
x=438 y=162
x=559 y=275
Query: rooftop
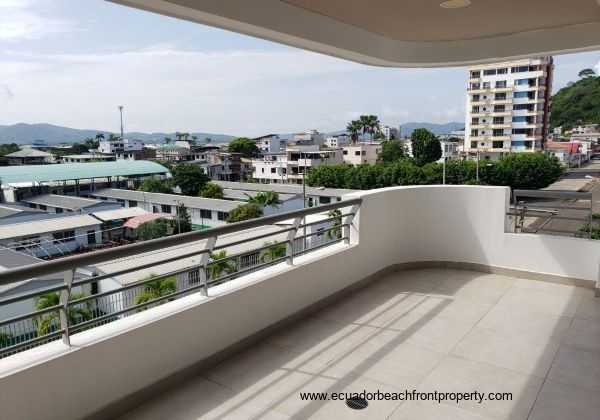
x=69 y=171
x=281 y=188
x=7 y=210
x=29 y=153
x=171 y=199
x=63 y=201
x=241 y=195
x=442 y=330
x=38 y=227
x=122 y=213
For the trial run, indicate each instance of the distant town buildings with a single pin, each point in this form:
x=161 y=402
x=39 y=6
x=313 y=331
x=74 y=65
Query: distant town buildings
x=30 y=157
x=308 y=138
x=361 y=153
x=300 y=159
x=270 y=143
x=508 y=106
x=340 y=140
x=390 y=132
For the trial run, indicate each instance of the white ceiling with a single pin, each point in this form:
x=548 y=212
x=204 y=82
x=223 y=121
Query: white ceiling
x=403 y=33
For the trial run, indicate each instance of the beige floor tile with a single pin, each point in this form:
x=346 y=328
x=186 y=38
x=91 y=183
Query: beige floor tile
x=585 y=334
x=432 y=410
x=507 y=350
x=538 y=326
x=462 y=311
x=292 y=404
x=562 y=289
x=589 y=309
x=541 y=301
x=487 y=288
x=460 y=375
x=577 y=367
x=560 y=402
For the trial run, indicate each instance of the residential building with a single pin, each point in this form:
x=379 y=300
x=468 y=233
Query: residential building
x=20 y=182
x=308 y=138
x=30 y=157
x=301 y=158
x=88 y=158
x=270 y=168
x=227 y=166
x=589 y=132
x=362 y=153
x=59 y=204
x=120 y=146
x=51 y=237
x=268 y=144
x=571 y=153
x=15 y=213
x=176 y=154
x=508 y=107
x=450 y=150
x=341 y=140
x=391 y=132
x=400 y=299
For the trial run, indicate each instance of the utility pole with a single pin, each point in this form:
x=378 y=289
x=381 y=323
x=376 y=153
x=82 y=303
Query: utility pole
x=121 y=112
x=477 y=163
x=444 y=163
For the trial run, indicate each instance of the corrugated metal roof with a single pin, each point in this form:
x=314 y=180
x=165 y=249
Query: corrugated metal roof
x=284 y=188
x=13 y=259
x=123 y=213
x=241 y=195
x=170 y=199
x=36 y=227
x=29 y=153
x=7 y=210
x=63 y=201
x=69 y=171
x=156 y=256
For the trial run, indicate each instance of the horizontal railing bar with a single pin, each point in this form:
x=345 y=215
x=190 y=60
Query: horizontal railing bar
x=247 y=270
x=31 y=342
x=30 y=315
x=313 y=248
x=543 y=229
x=76 y=261
x=34 y=293
x=560 y=207
x=241 y=254
x=553 y=194
x=254 y=238
x=547 y=216
x=139 y=267
x=321 y=232
x=330 y=219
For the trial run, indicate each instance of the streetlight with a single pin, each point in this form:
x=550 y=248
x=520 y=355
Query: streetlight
x=121 y=112
x=444 y=164
x=477 y=161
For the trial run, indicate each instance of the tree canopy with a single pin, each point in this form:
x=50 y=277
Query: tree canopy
x=265 y=198
x=391 y=151
x=152 y=230
x=245 y=146
x=156 y=185
x=212 y=190
x=577 y=104
x=183 y=221
x=426 y=147
x=190 y=178
x=244 y=212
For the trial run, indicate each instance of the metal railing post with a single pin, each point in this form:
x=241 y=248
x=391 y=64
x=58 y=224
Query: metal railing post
x=515 y=209
x=348 y=222
x=203 y=276
x=289 y=241
x=64 y=306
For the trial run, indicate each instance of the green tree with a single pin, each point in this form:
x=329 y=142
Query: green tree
x=523 y=171
x=244 y=212
x=212 y=190
x=179 y=135
x=79 y=148
x=152 y=230
x=218 y=265
x=245 y=146
x=272 y=253
x=336 y=232
x=168 y=140
x=183 y=222
x=354 y=127
x=577 y=104
x=156 y=185
x=75 y=314
x=587 y=73
x=329 y=176
x=6 y=339
x=265 y=199
x=374 y=126
x=99 y=137
x=190 y=178
x=91 y=143
x=156 y=289
x=391 y=151
x=5 y=149
x=426 y=147
x=113 y=137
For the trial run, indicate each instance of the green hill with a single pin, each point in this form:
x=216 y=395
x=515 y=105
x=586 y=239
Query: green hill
x=577 y=103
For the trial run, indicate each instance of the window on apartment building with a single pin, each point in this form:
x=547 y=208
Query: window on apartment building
x=120 y=201
x=499 y=108
x=345 y=152
x=221 y=215
x=59 y=210
x=520 y=95
x=43 y=207
x=474 y=120
x=473 y=145
x=474 y=133
x=498 y=132
x=522 y=69
x=498 y=120
x=132 y=203
x=521 y=82
x=273 y=170
x=27 y=242
x=502 y=71
x=500 y=96
x=475 y=98
x=486 y=85
x=475 y=74
x=262 y=170
x=475 y=86
x=165 y=208
x=475 y=109
x=497 y=144
x=32 y=205
x=205 y=214
x=489 y=72
x=65 y=236
x=519 y=119
x=193 y=277
x=91 y=237
x=500 y=84
x=522 y=107
x=364 y=152
x=324 y=200
x=357 y=153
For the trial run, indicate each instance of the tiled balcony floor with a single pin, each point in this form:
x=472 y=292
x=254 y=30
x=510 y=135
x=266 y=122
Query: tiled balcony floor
x=430 y=330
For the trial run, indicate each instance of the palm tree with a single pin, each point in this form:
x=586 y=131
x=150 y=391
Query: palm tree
x=207 y=140
x=374 y=125
x=156 y=289
x=99 y=136
x=185 y=136
x=167 y=140
x=265 y=199
x=112 y=137
x=178 y=135
x=365 y=125
x=335 y=233
x=217 y=267
x=75 y=314
x=272 y=253
x=194 y=139
x=353 y=128
x=587 y=73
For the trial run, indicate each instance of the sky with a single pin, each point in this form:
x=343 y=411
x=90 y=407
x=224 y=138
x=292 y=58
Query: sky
x=72 y=62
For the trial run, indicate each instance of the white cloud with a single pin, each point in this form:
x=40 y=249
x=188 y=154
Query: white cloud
x=31 y=19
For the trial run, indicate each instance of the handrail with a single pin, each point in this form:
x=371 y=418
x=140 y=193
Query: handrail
x=71 y=263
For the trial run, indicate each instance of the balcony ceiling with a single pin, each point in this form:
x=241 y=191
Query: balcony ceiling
x=403 y=33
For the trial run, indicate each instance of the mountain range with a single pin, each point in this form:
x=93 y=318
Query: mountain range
x=53 y=134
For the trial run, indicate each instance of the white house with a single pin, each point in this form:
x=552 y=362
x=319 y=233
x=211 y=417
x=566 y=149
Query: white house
x=340 y=140
x=270 y=143
x=270 y=169
x=308 y=138
x=390 y=132
x=121 y=145
x=362 y=153
x=301 y=158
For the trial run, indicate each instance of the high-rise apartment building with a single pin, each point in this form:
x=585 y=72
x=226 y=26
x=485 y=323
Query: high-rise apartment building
x=508 y=105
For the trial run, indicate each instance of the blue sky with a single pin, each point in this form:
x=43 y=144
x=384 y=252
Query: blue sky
x=71 y=62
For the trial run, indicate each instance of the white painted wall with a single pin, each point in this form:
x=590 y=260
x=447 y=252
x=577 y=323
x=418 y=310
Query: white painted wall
x=395 y=225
